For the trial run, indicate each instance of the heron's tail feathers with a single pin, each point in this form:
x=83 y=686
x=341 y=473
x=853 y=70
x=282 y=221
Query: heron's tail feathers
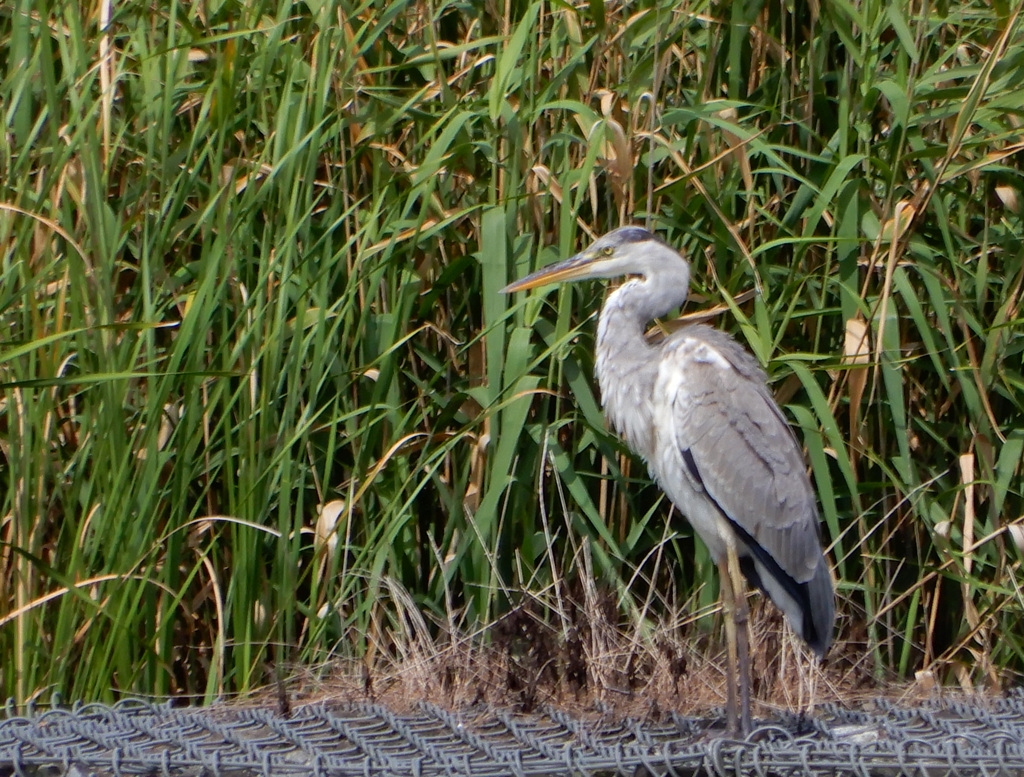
x=809 y=606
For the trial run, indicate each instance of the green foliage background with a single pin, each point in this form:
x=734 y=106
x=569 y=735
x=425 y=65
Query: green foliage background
x=250 y=256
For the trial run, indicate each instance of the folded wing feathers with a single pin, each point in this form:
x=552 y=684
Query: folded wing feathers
x=748 y=459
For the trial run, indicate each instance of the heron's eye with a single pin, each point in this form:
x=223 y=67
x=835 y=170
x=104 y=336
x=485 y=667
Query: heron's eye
x=607 y=250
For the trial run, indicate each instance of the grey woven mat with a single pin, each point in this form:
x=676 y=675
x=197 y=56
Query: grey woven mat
x=952 y=736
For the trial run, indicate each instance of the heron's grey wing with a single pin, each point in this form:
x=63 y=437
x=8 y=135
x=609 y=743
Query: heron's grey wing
x=728 y=440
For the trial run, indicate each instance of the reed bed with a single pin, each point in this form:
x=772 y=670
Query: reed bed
x=264 y=414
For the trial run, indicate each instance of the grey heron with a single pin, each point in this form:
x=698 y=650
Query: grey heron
x=696 y=407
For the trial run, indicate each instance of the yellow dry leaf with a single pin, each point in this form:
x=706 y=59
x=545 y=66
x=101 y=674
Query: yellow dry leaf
x=1008 y=196
x=326 y=534
x=967 y=479
x=856 y=352
x=893 y=229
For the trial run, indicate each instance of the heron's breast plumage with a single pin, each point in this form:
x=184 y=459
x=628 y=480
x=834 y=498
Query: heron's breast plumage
x=626 y=368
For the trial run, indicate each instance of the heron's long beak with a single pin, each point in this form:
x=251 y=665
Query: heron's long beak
x=573 y=268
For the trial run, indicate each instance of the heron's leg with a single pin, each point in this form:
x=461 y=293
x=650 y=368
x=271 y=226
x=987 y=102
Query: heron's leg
x=729 y=609
x=741 y=616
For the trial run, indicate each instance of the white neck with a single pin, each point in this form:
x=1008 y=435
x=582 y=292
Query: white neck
x=627 y=364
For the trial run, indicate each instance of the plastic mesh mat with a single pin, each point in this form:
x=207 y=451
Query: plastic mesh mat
x=952 y=736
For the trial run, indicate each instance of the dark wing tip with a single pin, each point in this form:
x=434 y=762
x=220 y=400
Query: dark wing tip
x=814 y=599
x=819 y=610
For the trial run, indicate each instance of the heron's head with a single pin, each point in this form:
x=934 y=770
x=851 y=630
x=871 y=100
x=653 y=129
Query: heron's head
x=624 y=251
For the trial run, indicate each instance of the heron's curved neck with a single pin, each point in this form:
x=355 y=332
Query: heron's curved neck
x=636 y=302
x=627 y=365
x=621 y=344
